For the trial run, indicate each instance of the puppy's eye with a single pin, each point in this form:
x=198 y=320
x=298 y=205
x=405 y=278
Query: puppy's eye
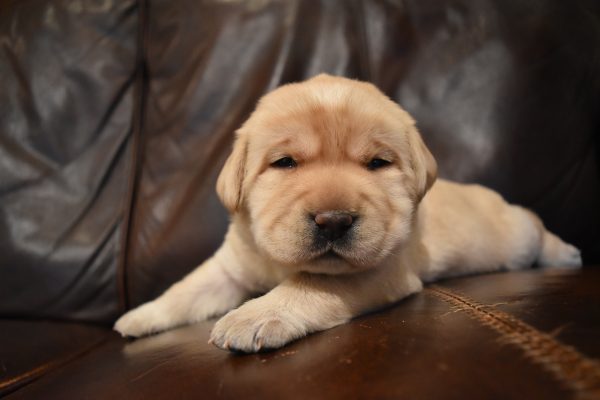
x=377 y=163
x=285 y=162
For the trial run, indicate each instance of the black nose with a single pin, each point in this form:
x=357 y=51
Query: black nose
x=333 y=224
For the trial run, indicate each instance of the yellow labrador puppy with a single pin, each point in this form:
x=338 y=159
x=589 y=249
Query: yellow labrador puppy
x=334 y=212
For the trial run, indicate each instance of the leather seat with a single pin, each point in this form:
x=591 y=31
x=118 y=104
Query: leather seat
x=116 y=116
x=530 y=334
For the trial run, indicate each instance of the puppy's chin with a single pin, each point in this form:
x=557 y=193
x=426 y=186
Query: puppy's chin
x=329 y=261
x=334 y=263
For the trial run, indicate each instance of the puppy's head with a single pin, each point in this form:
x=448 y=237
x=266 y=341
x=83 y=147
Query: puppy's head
x=330 y=172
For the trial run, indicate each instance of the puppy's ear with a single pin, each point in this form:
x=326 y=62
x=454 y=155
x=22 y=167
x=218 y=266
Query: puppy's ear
x=422 y=163
x=231 y=178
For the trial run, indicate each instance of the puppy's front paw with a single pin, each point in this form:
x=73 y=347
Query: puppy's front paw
x=144 y=320
x=252 y=328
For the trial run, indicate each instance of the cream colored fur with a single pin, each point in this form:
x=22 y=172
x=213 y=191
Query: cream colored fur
x=408 y=230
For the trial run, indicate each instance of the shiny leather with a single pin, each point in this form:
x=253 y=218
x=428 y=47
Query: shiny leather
x=116 y=116
x=31 y=348
x=66 y=98
x=423 y=348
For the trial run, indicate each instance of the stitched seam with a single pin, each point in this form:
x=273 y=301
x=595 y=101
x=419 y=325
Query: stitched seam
x=12 y=384
x=140 y=90
x=570 y=368
x=361 y=21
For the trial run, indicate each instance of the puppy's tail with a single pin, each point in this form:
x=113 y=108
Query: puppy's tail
x=554 y=253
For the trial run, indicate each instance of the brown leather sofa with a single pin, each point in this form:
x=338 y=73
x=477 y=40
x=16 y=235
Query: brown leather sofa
x=116 y=116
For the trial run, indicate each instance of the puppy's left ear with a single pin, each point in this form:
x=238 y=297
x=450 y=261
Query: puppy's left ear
x=231 y=178
x=422 y=163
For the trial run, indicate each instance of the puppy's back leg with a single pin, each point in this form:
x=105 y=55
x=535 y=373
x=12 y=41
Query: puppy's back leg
x=552 y=252
x=556 y=253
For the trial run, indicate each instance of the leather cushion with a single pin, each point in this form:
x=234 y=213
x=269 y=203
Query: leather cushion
x=426 y=346
x=30 y=349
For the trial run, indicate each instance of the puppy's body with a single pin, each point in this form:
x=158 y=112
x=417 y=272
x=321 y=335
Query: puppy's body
x=327 y=190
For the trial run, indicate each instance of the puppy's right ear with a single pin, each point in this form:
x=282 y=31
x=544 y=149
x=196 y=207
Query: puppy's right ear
x=231 y=178
x=422 y=162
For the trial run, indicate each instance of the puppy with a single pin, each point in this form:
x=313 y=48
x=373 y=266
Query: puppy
x=334 y=213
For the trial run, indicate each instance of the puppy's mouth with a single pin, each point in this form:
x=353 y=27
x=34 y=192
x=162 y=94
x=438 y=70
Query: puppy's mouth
x=331 y=252
x=338 y=260
x=329 y=255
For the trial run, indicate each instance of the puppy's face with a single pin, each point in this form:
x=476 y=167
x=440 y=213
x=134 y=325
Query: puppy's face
x=329 y=172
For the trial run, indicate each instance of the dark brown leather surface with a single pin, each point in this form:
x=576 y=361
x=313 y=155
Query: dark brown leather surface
x=421 y=348
x=30 y=349
x=552 y=301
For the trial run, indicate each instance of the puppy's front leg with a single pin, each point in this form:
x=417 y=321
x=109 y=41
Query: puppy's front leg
x=308 y=303
x=207 y=291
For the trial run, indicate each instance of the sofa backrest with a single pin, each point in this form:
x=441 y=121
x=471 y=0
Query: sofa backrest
x=116 y=117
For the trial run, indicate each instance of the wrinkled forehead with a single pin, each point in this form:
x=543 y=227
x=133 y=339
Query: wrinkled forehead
x=328 y=116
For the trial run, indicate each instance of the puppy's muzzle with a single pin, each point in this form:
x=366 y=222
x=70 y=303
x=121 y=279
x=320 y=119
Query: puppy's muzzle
x=333 y=225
